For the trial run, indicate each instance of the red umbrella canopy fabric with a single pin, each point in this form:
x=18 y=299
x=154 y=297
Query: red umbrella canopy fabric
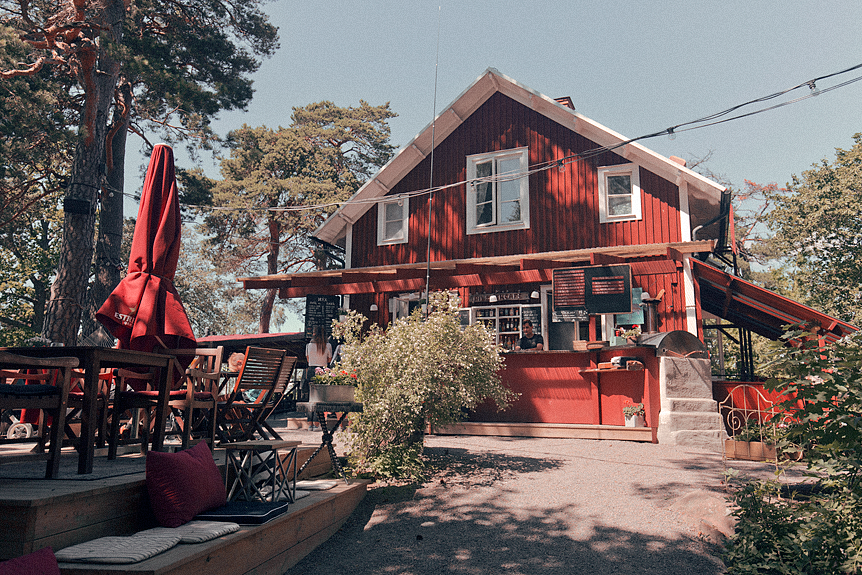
x=145 y=310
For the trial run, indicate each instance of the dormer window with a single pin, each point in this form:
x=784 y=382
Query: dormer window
x=498 y=191
x=619 y=193
x=392 y=221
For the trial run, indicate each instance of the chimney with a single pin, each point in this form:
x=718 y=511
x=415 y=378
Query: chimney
x=565 y=101
x=679 y=161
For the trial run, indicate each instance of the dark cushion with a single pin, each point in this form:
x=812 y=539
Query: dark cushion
x=17 y=390
x=246 y=512
x=183 y=484
x=42 y=561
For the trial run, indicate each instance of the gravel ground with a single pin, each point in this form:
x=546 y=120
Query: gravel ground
x=525 y=506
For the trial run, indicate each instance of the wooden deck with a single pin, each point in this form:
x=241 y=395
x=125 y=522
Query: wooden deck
x=272 y=548
x=113 y=500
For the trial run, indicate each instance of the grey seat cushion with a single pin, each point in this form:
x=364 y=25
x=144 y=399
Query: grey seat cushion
x=119 y=550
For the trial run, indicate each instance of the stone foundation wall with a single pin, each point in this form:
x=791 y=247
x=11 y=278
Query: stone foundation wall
x=689 y=415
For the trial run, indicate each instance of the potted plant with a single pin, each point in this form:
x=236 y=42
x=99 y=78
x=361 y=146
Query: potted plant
x=332 y=385
x=756 y=441
x=632 y=334
x=635 y=414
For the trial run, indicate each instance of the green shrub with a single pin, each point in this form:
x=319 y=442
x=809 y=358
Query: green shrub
x=419 y=371
x=777 y=531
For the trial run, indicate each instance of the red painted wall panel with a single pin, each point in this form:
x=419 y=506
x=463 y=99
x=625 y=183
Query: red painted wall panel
x=563 y=205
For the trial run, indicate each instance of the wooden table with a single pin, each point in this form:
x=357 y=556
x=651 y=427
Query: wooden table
x=92 y=359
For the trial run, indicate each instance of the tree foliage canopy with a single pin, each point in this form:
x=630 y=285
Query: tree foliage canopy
x=279 y=185
x=817 y=234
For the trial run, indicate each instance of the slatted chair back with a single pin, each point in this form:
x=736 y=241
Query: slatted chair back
x=193 y=395
x=258 y=376
x=53 y=399
x=275 y=398
x=195 y=410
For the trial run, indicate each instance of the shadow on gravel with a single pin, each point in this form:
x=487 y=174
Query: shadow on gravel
x=458 y=522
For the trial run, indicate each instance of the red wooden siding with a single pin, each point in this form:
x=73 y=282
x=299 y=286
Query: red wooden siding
x=563 y=205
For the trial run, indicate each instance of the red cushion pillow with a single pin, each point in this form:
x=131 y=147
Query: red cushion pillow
x=41 y=561
x=183 y=484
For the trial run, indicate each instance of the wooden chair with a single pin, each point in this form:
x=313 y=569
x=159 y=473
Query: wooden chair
x=52 y=399
x=76 y=405
x=193 y=397
x=238 y=417
x=275 y=398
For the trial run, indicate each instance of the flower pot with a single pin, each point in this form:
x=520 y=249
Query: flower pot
x=331 y=393
x=635 y=421
x=749 y=450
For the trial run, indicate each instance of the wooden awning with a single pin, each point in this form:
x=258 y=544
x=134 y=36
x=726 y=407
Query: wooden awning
x=757 y=309
x=474 y=272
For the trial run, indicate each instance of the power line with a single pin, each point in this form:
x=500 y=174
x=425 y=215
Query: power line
x=704 y=122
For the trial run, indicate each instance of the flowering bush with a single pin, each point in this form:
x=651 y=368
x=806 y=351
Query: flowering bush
x=630 y=409
x=326 y=376
x=417 y=372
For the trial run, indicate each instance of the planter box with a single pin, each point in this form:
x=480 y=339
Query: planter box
x=331 y=393
x=636 y=421
x=749 y=450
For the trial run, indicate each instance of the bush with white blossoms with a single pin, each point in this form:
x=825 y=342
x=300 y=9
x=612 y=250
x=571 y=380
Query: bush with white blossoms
x=418 y=371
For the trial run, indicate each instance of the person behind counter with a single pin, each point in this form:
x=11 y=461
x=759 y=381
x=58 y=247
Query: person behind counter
x=530 y=341
x=318 y=353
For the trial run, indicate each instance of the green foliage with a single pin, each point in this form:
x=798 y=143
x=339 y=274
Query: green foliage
x=29 y=248
x=820 y=533
x=35 y=144
x=818 y=234
x=417 y=372
x=273 y=180
x=213 y=301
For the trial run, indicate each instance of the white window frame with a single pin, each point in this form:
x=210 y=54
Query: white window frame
x=604 y=173
x=521 y=154
x=382 y=240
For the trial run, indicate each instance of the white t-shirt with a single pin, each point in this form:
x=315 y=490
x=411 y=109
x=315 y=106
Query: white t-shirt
x=315 y=358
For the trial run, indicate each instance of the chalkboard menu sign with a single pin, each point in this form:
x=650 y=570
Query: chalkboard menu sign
x=534 y=314
x=594 y=290
x=320 y=310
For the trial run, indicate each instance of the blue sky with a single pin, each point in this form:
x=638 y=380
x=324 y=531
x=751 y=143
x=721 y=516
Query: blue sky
x=636 y=67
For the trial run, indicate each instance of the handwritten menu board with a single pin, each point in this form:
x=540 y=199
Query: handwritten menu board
x=320 y=310
x=594 y=290
x=534 y=314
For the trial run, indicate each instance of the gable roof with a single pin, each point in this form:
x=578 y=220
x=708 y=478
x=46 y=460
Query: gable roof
x=468 y=102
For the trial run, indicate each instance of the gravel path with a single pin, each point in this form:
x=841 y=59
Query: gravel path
x=525 y=506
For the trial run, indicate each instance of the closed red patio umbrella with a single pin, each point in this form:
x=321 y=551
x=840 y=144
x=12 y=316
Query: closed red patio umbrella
x=145 y=310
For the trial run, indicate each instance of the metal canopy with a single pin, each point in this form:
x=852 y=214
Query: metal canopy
x=757 y=309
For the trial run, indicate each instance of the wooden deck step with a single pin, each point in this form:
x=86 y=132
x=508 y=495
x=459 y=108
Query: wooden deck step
x=269 y=549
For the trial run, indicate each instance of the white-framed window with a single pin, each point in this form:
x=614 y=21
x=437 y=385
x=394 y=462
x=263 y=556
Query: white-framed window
x=392 y=218
x=619 y=193
x=498 y=192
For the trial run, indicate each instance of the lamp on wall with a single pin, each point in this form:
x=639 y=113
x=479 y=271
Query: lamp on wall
x=373 y=307
x=492 y=299
x=534 y=295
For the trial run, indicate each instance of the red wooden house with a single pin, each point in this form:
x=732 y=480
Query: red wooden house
x=502 y=189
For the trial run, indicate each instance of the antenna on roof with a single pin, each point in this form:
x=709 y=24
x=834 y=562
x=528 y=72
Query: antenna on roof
x=431 y=170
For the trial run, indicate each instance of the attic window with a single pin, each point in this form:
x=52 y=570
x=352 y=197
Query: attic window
x=392 y=221
x=619 y=193
x=498 y=194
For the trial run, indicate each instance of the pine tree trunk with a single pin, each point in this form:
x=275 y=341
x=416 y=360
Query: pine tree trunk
x=271 y=269
x=107 y=264
x=98 y=77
